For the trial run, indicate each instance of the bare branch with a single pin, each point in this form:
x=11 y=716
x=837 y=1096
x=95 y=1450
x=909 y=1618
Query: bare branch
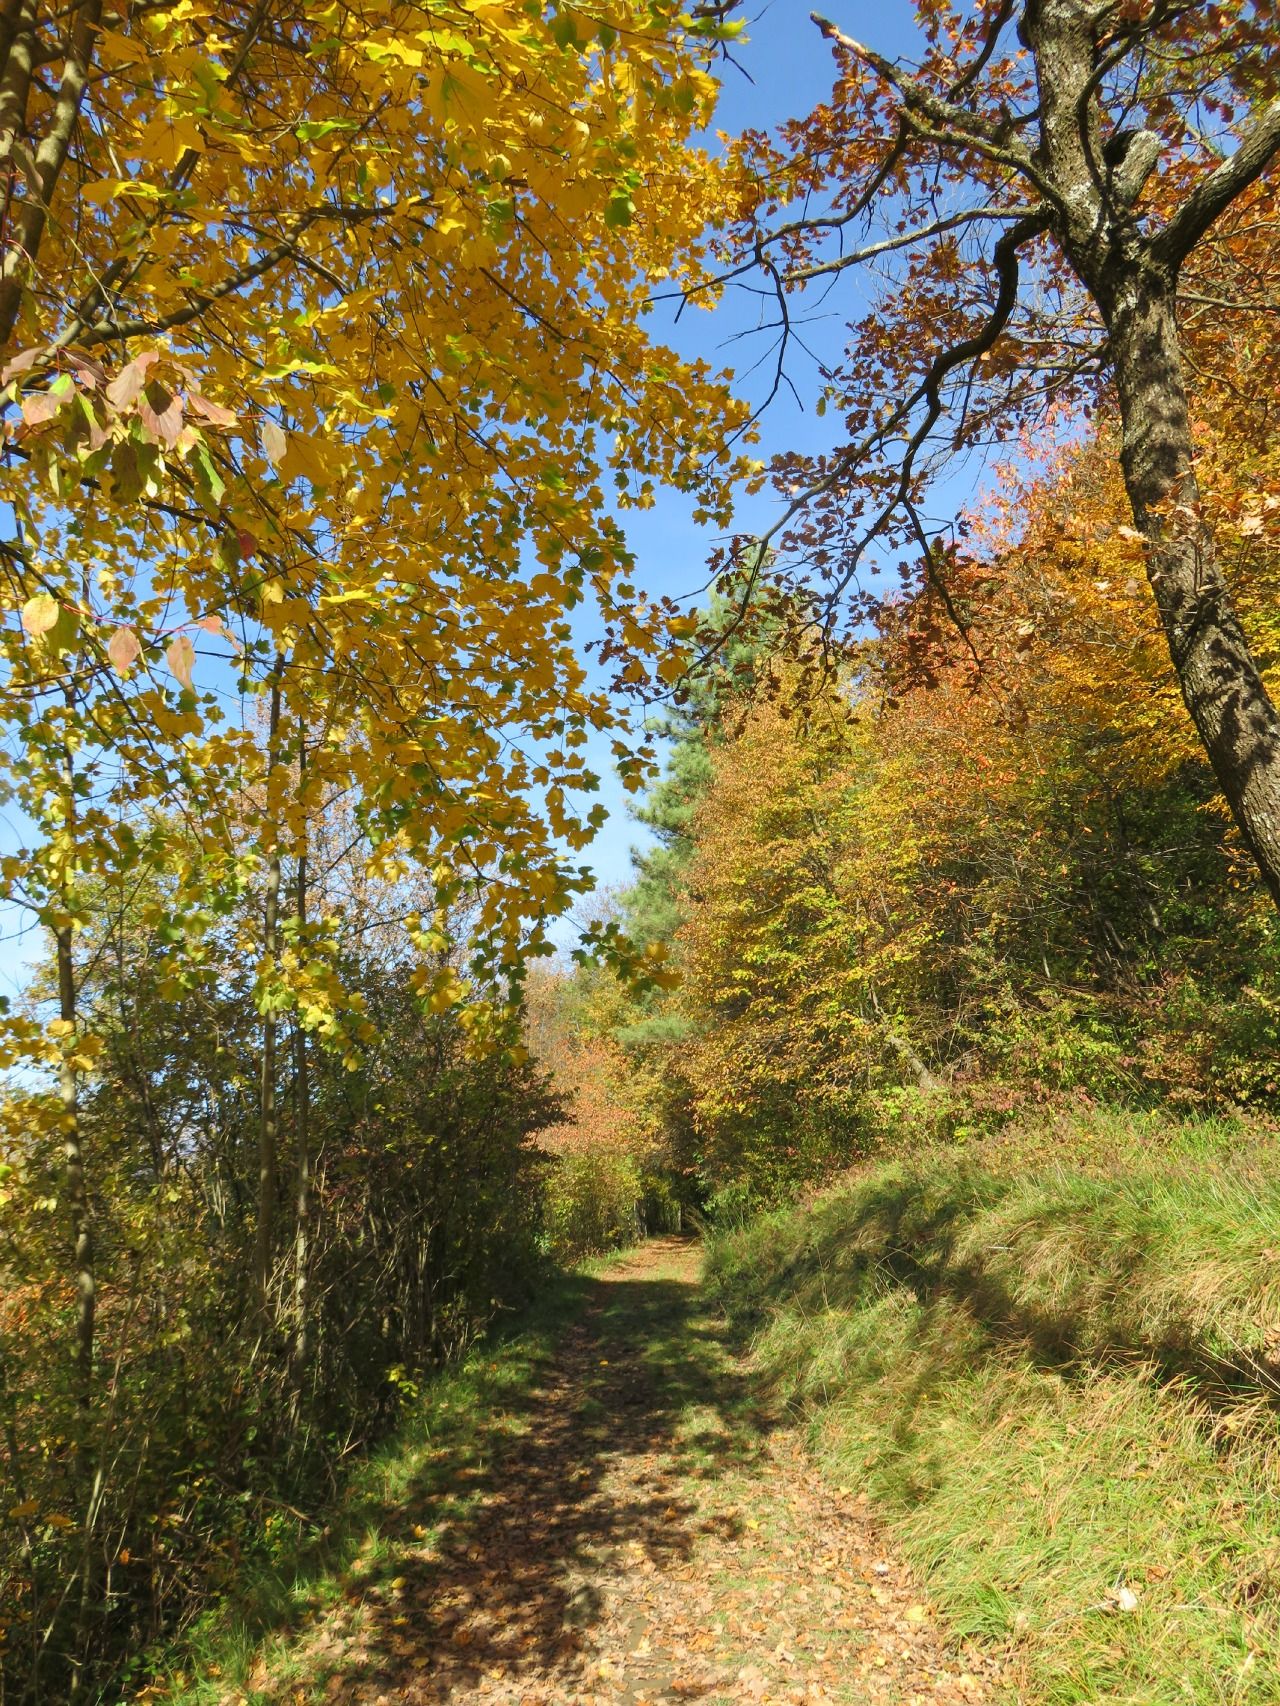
x=947 y=121
x=928 y=391
x=938 y=581
x=906 y=239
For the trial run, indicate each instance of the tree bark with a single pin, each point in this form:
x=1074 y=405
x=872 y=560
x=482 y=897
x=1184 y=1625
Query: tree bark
x=1220 y=682
x=40 y=165
x=1132 y=277
x=268 y=1108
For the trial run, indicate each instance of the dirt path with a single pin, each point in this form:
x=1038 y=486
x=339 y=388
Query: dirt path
x=638 y=1533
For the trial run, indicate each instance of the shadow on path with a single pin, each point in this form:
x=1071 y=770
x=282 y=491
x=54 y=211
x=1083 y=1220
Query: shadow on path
x=499 y=1598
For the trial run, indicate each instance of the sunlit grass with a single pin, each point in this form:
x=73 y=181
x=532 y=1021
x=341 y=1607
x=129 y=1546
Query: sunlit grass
x=1057 y=1381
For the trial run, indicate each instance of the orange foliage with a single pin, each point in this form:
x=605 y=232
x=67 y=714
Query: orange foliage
x=587 y=1070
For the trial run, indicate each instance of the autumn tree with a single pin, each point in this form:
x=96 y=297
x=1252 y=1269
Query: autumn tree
x=308 y=364
x=417 y=1211
x=323 y=379
x=1037 y=191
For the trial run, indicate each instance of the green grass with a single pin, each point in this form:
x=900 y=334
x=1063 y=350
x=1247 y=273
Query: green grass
x=1057 y=1379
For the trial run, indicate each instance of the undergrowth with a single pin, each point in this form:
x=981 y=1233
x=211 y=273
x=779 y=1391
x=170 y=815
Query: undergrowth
x=1058 y=1379
x=246 y=1646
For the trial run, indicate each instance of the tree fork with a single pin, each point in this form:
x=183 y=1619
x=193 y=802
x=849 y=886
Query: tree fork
x=1088 y=177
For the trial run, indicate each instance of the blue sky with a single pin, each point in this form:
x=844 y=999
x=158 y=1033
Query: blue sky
x=786 y=69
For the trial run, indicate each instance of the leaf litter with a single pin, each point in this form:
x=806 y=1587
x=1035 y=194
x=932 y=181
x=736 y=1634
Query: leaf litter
x=642 y=1535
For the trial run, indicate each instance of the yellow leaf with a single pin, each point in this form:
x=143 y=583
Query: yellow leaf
x=274 y=442
x=119 y=49
x=111 y=189
x=39 y=614
x=310 y=459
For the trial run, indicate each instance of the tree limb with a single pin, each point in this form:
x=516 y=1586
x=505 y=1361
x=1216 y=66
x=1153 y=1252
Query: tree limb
x=915 y=97
x=906 y=239
x=1214 y=194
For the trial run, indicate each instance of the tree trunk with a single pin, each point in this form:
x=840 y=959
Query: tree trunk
x=86 y=1308
x=39 y=161
x=1220 y=682
x=77 y=1192
x=1133 y=279
x=89 y=1473
x=302 y=1106
x=268 y=1109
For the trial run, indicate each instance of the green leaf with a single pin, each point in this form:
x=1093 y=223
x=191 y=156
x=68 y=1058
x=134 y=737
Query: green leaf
x=717 y=29
x=312 y=130
x=619 y=210
x=212 y=486
x=563 y=31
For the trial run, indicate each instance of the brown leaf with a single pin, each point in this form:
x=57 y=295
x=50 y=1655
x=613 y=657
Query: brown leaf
x=161 y=414
x=41 y=406
x=24 y=359
x=87 y=368
x=181 y=656
x=214 y=413
x=123 y=649
x=125 y=388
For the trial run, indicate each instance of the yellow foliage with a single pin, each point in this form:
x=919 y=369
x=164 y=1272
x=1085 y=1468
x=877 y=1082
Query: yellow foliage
x=325 y=329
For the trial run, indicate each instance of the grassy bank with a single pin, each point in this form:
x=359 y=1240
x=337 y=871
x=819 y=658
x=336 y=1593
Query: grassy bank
x=1058 y=1379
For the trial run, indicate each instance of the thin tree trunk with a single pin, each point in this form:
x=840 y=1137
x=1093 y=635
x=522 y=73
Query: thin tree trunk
x=81 y=1215
x=268 y=1109
x=302 y=1105
x=77 y=1193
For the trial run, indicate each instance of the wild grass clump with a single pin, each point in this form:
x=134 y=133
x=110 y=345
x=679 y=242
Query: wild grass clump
x=1058 y=1380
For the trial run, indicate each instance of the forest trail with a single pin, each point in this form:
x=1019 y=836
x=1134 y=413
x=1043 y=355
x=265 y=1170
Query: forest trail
x=639 y=1533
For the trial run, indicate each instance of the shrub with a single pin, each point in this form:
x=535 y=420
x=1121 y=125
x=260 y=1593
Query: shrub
x=594 y=1202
